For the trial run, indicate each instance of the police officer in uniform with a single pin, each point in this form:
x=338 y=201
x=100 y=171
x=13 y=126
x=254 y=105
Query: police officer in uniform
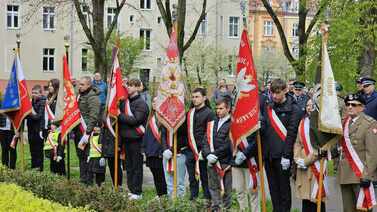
x=300 y=96
x=370 y=96
x=362 y=136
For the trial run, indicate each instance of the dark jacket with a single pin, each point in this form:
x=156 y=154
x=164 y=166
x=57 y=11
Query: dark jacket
x=201 y=118
x=36 y=122
x=289 y=114
x=301 y=103
x=128 y=124
x=89 y=107
x=371 y=105
x=108 y=143
x=221 y=143
x=181 y=139
x=152 y=147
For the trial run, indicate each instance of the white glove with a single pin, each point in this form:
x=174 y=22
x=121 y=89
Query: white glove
x=58 y=159
x=209 y=164
x=285 y=163
x=102 y=162
x=240 y=157
x=84 y=139
x=41 y=134
x=301 y=163
x=212 y=158
x=167 y=154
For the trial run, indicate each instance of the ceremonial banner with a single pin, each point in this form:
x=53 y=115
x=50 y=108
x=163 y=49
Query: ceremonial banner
x=116 y=92
x=245 y=114
x=16 y=104
x=170 y=94
x=72 y=115
x=329 y=120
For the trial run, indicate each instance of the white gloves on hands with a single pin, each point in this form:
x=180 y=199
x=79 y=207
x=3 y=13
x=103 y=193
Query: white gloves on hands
x=285 y=163
x=167 y=154
x=58 y=158
x=301 y=163
x=41 y=134
x=212 y=158
x=102 y=162
x=240 y=157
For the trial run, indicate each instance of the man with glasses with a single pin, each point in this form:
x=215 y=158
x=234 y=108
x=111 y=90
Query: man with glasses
x=370 y=96
x=358 y=161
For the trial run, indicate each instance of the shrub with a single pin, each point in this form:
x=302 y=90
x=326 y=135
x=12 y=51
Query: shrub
x=13 y=198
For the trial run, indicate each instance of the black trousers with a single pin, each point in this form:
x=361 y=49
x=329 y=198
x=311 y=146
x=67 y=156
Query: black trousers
x=36 y=144
x=194 y=183
x=57 y=167
x=111 y=164
x=8 y=154
x=134 y=164
x=157 y=169
x=279 y=184
x=99 y=177
x=309 y=206
x=82 y=155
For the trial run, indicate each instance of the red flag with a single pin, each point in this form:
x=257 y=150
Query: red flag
x=116 y=92
x=245 y=114
x=170 y=94
x=72 y=115
x=25 y=103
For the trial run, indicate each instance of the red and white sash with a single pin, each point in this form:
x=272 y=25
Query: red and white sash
x=127 y=110
x=276 y=123
x=49 y=115
x=252 y=166
x=54 y=147
x=366 y=198
x=217 y=165
x=304 y=133
x=191 y=139
x=154 y=128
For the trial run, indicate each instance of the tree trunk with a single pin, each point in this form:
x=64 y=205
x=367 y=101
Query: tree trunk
x=99 y=36
x=367 y=60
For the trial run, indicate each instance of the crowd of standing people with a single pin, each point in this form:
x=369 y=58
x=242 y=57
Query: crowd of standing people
x=285 y=108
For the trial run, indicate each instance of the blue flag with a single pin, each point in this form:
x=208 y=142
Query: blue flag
x=11 y=100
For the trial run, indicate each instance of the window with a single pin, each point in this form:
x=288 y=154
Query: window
x=295 y=51
x=145 y=4
x=268 y=28
x=233 y=26
x=86 y=12
x=295 y=30
x=145 y=35
x=12 y=16
x=131 y=18
x=110 y=16
x=144 y=76
x=159 y=20
x=203 y=26
x=84 y=59
x=48 y=60
x=48 y=18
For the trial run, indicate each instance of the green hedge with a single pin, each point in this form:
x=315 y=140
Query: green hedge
x=73 y=194
x=13 y=198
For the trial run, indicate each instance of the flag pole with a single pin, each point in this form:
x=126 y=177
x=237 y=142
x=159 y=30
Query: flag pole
x=18 y=52
x=320 y=187
x=66 y=46
x=261 y=172
x=175 y=166
x=116 y=158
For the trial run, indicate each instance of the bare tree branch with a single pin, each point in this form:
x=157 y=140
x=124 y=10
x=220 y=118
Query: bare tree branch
x=84 y=25
x=315 y=19
x=115 y=20
x=165 y=14
x=280 y=29
x=196 y=29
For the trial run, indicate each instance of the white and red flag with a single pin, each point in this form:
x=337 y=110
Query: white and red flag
x=245 y=114
x=170 y=94
x=116 y=92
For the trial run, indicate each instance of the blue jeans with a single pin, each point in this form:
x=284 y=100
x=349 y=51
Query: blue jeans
x=181 y=158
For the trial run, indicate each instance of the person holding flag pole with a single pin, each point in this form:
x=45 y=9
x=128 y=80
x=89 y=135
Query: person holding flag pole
x=244 y=126
x=16 y=103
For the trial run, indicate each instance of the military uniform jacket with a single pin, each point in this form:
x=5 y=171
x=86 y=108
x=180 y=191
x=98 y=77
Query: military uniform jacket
x=363 y=136
x=89 y=107
x=371 y=105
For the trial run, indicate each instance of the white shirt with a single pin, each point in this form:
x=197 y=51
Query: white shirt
x=7 y=125
x=222 y=121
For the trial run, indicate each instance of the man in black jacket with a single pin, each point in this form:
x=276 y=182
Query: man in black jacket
x=217 y=149
x=132 y=119
x=197 y=118
x=36 y=125
x=280 y=119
